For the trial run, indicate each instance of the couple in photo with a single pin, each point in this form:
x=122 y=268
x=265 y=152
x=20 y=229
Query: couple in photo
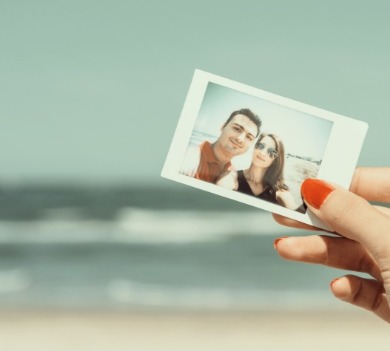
x=263 y=179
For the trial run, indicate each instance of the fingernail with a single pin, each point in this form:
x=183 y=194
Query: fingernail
x=315 y=191
x=277 y=241
x=333 y=281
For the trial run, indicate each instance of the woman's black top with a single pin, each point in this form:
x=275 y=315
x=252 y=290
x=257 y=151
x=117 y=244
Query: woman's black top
x=243 y=187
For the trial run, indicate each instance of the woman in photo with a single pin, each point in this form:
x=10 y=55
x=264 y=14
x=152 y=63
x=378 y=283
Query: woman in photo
x=264 y=178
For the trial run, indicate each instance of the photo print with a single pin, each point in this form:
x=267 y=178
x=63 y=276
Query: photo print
x=256 y=147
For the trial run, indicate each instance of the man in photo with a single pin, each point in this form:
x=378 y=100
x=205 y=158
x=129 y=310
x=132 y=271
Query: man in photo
x=208 y=161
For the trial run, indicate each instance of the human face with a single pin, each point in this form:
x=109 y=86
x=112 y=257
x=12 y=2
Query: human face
x=238 y=135
x=261 y=157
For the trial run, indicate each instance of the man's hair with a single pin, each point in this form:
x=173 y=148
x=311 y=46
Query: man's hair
x=248 y=113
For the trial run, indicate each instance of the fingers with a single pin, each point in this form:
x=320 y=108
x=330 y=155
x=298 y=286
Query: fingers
x=336 y=252
x=365 y=293
x=372 y=183
x=365 y=245
x=292 y=223
x=349 y=215
x=384 y=210
x=288 y=222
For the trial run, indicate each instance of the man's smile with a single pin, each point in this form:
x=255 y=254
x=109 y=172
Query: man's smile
x=235 y=144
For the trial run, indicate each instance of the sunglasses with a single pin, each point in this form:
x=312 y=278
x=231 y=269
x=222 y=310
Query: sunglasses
x=272 y=152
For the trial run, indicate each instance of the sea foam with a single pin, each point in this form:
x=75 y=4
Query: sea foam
x=136 y=225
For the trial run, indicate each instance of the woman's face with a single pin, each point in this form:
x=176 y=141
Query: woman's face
x=264 y=153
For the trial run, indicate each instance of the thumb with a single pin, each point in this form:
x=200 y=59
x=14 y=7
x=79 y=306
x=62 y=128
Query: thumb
x=349 y=215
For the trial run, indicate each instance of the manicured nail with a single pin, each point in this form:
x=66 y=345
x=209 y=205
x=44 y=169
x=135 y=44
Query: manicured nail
x=277 y=241
x=315 y=191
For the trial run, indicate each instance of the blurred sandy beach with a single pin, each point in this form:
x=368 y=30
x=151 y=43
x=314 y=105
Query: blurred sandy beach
x=271 y=331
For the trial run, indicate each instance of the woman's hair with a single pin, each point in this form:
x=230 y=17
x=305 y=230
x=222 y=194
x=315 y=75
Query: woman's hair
x=273 y=177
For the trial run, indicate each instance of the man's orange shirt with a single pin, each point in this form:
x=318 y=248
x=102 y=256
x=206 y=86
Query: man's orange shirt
x=209 y=167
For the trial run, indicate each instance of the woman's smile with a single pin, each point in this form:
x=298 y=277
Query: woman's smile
x=260 y=157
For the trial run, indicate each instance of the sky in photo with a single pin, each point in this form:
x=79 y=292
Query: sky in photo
x=302 y=134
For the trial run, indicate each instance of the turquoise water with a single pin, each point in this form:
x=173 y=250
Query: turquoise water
x=146 y=249
x=161 y=248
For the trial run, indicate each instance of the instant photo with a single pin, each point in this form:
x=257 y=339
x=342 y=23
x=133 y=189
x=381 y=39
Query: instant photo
x=256 y=147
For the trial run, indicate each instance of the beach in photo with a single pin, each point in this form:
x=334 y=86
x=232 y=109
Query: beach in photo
x=297 y=168
x=255 y=147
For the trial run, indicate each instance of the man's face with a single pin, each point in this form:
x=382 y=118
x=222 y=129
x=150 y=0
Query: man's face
x=238 y=135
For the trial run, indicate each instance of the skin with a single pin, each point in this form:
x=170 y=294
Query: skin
x=235 y=139
x=260 y=158
x=261 y=161
x=363 y=244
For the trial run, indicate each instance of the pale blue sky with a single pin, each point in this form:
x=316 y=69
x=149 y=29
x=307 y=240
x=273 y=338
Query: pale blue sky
x=91 y=91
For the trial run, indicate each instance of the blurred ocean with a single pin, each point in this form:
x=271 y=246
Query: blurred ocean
x=146 y=248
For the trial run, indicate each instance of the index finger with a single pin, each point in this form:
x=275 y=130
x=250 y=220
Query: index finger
x=372 y=183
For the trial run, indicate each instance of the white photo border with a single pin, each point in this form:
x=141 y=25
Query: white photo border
x=347 y=136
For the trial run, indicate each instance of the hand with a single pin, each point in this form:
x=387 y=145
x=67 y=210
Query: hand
x=364 y=244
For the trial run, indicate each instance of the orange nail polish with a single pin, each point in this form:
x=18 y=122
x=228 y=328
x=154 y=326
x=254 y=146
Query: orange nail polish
x=315 y=191
x=277 y=240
